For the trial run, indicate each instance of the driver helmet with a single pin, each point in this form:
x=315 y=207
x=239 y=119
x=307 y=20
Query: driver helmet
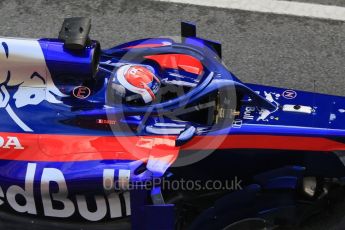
x=136 y=83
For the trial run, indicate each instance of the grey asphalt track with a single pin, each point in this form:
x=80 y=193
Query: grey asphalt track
x=322 y=2
x=284 y=51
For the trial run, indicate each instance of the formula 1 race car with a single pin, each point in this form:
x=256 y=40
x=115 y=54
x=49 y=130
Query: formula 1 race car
x=157 y=134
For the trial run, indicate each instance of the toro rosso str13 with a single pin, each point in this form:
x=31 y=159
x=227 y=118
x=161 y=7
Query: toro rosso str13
x=96 y=136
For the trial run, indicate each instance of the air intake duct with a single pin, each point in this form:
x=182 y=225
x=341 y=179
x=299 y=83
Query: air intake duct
x=65 y=63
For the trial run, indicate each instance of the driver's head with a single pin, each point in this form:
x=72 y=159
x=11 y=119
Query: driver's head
x=136 y=83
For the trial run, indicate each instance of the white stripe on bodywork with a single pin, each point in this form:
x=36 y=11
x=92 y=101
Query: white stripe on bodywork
x=17 y=120
x=275 y=7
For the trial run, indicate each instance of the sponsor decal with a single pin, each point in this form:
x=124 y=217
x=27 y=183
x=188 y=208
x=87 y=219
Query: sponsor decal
x=106 y=121
x=10 y=143
x=264 y=113
x=289 y=94
x=332 y=117
x=81 y=92
x=32 y=84
x=260 y=114
x=55 y=200
x=237 y=123
x=248 y=113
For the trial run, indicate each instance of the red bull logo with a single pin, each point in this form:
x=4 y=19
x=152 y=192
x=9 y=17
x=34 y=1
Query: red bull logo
x=22 y=65
x=108 y=205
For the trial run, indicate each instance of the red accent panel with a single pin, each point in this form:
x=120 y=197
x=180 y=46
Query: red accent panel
x=263 y=142
x=65 y=148
x=178 y=61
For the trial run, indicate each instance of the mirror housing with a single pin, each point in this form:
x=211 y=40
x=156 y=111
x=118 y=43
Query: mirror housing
x=185 y=136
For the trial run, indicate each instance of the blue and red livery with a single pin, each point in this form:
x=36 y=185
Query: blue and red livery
x=69 y=147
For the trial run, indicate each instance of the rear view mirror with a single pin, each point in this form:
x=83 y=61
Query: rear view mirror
x=185 y=136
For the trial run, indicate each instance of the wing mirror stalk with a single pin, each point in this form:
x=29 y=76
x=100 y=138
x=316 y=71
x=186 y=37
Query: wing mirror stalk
x=185 y=136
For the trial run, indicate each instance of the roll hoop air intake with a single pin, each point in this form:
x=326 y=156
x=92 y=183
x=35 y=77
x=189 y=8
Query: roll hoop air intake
x=73 y=54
